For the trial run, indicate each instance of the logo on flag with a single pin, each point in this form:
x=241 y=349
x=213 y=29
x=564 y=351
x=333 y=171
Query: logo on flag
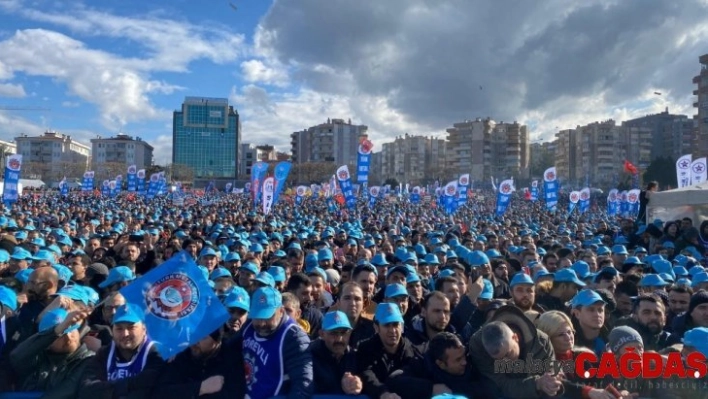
x=574 y=196
x=365 y=147
x=698 y=168
x=174 y=296
x=505 y=188
x=534 y=184
x=141 y=174
x=450 y=190
x=632 y=197
x=464 y=180
x=374 y=191
x=584 y=195
x=684 y=164
x=343 y=174
x=14 y=164
x=301 y=190
x=550 y=176
x=613 y=196
x=132 y=169
x=416 y=190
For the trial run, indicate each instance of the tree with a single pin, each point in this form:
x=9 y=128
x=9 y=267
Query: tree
x=311 y=173
x=60 y=170
x=663 y=170
x=544 y=161
x=109 y=170
x=180 y=172
x=32 y=170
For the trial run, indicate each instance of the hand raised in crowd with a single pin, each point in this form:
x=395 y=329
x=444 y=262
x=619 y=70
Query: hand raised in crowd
x=351 y=384
x=74 y=317
x=548 y=384
x=211 y=385
x=474 y=288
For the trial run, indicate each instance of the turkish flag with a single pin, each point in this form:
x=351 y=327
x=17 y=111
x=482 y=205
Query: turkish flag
x=629 y=168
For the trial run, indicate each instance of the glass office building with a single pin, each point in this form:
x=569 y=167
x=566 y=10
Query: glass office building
x=206 y=137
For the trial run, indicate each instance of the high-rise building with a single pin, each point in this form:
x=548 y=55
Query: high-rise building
x=595 y=153
x=487 y=149
x=121 y=149
x=413 y=159
x=52 y=156
x=206 y=137
x=251 y=154
x=671 y=134
x=333 y=141
x=701 y=104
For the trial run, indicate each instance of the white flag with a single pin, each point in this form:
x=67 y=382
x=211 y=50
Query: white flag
x=683 y=170
x=699 y=173
x=268 y=192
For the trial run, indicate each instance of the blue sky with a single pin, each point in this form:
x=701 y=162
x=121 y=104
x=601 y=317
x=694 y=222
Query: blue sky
x=398 y=66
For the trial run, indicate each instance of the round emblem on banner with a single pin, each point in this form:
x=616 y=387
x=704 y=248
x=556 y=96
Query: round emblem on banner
x=172 y=297
x=343 y=174
x=374 y=191
x=550 y=176
x=684 y=164
x=505 y=188
x=416 y=190
x=131 y=169
x=584 y=195
x=574 y=197
x=141 y=174
x=613 y=197
x=699 y=167
x=14 y=164
x=534 y=184
x=366 y=146
x=632 y=197
x=450 y=190
x=154 y=177
x=281 y=171
x=464 y=180
x=301 y=191
x=624 y=196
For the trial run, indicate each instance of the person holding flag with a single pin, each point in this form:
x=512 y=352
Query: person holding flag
x=129 y=366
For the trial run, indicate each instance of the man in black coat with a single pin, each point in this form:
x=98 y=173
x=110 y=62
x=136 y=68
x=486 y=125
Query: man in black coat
x=333 y=360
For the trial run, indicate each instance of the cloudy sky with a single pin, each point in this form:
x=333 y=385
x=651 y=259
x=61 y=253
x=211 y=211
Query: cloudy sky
x=398 y=66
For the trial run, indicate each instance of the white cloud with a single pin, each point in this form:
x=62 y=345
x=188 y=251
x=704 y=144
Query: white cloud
x=162 y=145
x=255 y=71
x=12 y=90
x=70 y=104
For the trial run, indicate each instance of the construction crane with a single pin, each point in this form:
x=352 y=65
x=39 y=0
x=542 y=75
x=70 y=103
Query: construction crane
x=19 y=108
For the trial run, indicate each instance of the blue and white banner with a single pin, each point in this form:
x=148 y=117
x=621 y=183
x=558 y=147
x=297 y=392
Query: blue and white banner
x=612 y=202
x=258 y=174
x=161 y=183
x=573 y=199
x=106 y=189
x=683 y=170
x=141 y=182
x=179 y=306
x=633 y=201
x=87 y=183
x=300 y=193
x=534 y=190
x=506 y=188
x=227 y=189
x=450 y=197
x=624 y=204
x=280 y=173
x=345 y=183
x=268 y=194
x=64 y=187
x=415 y=195
x=584 y=200
x=132 y=174
x=463 y=184
x=550 y=187
x=114 y=186
x=10 y=191
x=374 y=192
x=153 y=186
x=364 y=161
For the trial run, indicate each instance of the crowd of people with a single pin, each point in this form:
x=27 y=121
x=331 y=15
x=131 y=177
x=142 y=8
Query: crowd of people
x=395 y=301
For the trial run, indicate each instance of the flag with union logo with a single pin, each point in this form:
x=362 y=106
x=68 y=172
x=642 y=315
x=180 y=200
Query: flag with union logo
x=179 y=305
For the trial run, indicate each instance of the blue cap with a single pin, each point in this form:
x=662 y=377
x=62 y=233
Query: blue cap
x=264 y=302
x=238 y=298
x=91 y=294
x=668 y=244
x=633 y=260
x=493 y=253
x=311 y=261
x=8 y=298
x=662 y=266
x=207 y=251
x=446 y=273
x=256 y=248
x=218 y=273
x=232 y=257
x=652 y=280
x=265 y=278
x=693 y=271
x=44 y=255
x=699 y=278
x=20 y=253
x=586 y=298
x=335 y=320
x=55 y=317
x=521 y=278
x=697 y=338
x=278 y=273
x=431 y=259
x=75 y=293
x=128 y=313
x=379 y=260
x=581 y=269
x=567 y=276
x=325 y=254
x=23 y=275
x=249 y=267
x=65 y=274
x=412 y=278
x=680 y=271
x=318 y=271
x=4 y=256
x=667 y=277
x=620 y=250
x=477 y=258
x=118 y=274
x=394 y=290
x=487 y=291
x=387 y=313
